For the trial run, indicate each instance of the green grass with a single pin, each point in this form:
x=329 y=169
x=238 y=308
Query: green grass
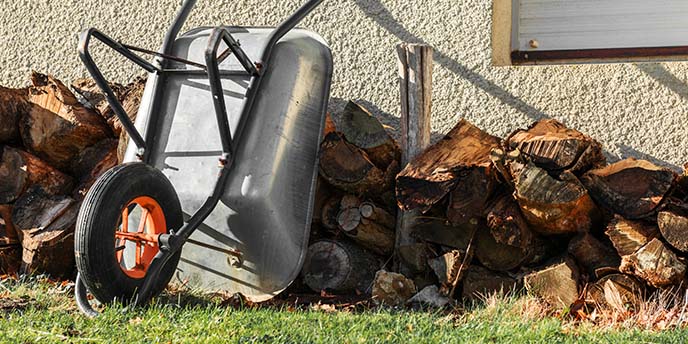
x=51 y=316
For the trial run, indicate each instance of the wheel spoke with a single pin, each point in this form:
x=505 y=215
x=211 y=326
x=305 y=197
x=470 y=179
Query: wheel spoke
x=125 y=219
x=144 y=219
x=138 y=254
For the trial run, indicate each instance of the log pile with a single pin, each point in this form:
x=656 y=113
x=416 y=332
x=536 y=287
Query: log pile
x=54 y=144
x=540 y=210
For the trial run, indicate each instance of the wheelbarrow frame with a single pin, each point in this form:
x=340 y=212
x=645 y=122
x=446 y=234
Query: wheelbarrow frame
x=172 y=242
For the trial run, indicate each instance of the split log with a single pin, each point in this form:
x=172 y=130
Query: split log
x=14 y=104
x=364 y=131
x=617 y=290
x=629 y=236
x=19 y=170
x=480 y=283
x=129 y=95
x=554 y=206
x=433 y=174
x=46 y=223
x=556 y=283
x=554 y=147
x=58 y=127
x=374 y=232
x=415 y=257
x=506 y=223
x=94 y=98
x=442 y=232
x=131 y=100
x=348 y=167
x=470 y=196
x=656 y=264
x=392 y=289
x=631 y=188
x=496 y=256
x=673 y=224
x=93 y=162
x=330 y=127
x=449 y=269
x=10 y=259
x=323 y=193
x=339 y=266
x=330 y=210
x=592 y=254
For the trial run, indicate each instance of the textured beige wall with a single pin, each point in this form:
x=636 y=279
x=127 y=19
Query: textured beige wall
x=635 y=110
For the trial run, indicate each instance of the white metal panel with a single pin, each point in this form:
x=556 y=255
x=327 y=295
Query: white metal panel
x=600 y=24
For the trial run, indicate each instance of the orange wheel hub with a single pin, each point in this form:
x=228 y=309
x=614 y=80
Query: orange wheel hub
x=144 y=238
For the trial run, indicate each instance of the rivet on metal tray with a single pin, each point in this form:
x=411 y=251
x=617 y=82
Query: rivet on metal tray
x=533 y=44
x=235 y=261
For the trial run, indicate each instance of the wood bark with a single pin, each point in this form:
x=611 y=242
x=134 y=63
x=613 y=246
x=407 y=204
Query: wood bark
x=506 y=223
x=556 y=283
x=480 y=282
x=374 y=232
x=339 y=266
x=364 y=131
x=655 y=263
x=628 y=236
x=554 y=206
x=19 y=170
x=58 y=127
x=46 y=223
x=432 y=175
x=14 y=104
x=673 y=224
x=552 y=146
x=592 y=254
x=631 y=188
x=348 y=167
x=613 y=289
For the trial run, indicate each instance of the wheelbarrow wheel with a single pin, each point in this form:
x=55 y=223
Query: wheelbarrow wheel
x=117 y=230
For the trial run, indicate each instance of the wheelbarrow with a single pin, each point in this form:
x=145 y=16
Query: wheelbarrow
x=218 y=184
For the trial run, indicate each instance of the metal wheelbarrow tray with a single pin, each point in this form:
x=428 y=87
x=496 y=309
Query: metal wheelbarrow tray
x=232 y=117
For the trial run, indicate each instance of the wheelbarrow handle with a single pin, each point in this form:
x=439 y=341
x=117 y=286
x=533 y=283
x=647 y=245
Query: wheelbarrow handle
x=291 y=22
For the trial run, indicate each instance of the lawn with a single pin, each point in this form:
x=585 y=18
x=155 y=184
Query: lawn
x=45 y=312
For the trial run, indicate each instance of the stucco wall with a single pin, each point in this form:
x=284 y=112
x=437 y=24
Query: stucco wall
x=636 y=110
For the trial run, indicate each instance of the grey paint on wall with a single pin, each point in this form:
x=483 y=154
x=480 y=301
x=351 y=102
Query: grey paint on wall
x=636 y=110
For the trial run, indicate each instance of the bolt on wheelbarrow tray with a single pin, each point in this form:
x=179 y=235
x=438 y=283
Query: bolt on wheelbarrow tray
x=255 y=239
x=253 y=97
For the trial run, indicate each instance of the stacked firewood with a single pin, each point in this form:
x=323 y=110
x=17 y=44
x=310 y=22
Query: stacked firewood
x=355 y=211
x=53 y=145
x=540 y=210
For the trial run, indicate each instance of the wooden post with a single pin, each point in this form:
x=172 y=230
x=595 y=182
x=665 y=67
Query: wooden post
x=415 y=79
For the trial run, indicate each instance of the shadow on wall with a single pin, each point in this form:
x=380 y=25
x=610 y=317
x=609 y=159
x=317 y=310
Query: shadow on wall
x=376 y=11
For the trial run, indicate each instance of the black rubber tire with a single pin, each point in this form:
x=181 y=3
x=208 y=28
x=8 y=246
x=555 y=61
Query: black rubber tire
x=94 y=242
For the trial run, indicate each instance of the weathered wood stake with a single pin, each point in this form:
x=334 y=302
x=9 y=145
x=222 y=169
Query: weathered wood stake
x=415 y=80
